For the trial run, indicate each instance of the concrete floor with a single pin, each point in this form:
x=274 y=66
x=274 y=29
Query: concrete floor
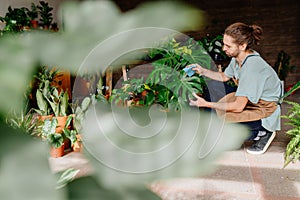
x=239 y=175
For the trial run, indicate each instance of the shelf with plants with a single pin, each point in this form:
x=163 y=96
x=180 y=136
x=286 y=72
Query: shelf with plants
x=37 y=17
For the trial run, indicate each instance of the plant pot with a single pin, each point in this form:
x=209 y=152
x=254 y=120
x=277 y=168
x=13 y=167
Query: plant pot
x=34 y=23
x=44 y=117
x=77 y=146
x=61 y=122
x=57 y=152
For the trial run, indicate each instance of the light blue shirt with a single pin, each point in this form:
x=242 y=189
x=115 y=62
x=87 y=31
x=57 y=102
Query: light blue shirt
x=257 y=80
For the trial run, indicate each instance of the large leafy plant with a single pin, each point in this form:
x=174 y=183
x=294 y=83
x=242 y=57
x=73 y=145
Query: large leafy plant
x=167 y=84
x=292 y=153
x=214 y=45
x=50 y=100
x=169 y=59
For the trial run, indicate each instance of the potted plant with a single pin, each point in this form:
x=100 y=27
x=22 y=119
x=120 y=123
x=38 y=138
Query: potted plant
x=167 y=84
x=282 y=65
x=57 y=140
x=128 y=93
x=45 y=13
x=26 y=121
x=59 y=103
x=33 y=15
x=78 y=117
x=172 y=86
x=41 y=84
x=16 y=20
x=214 y=46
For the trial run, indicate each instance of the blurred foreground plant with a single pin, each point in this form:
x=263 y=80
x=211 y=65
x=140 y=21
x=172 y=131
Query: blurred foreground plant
x=24 y=166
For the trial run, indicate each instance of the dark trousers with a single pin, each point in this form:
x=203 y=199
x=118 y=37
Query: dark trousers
x=215 y=90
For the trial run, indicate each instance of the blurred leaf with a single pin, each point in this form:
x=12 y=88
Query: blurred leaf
x=172 y=144
x=24 y=168
x=93 y=35
x=66 y=176
x=88 y=188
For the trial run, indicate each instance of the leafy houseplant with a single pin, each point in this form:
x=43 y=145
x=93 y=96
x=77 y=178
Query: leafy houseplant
x=79 y=112
x=51 y=100
x=45 y=13
x=213 y=45
x=129 y=91
x=167 y=84
x=282 y=65
x=15 y=20
x=33 y=15
x=55 y=139
x=292 y=153
x=41 y=85
x=172 y=85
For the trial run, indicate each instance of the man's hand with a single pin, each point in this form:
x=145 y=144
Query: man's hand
x=198 y=69
x=199 y=101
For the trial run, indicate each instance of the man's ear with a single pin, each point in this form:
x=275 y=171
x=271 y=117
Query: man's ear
x=243 y=47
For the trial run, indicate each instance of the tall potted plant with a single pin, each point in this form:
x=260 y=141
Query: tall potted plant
x=45 y=12
x=33 y=15
x=50 y=100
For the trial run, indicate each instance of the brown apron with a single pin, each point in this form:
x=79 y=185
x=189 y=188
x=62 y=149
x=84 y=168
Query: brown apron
x=251 y=112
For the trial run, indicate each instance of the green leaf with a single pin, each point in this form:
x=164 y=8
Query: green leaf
x=42 y=103
x=293 y=89
x=66 y=176
x=20 y=176
x=55 y=139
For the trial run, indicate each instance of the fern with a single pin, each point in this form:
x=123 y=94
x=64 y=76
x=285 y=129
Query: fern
x=292 y=152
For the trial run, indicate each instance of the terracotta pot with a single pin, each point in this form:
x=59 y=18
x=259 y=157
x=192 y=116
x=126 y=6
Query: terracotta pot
x=77 y=146
x=61 y=122
x=57 y=152
x=44 y=117
x=34 y=23
x=144 y=93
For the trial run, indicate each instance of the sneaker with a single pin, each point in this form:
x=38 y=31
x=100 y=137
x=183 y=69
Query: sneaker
x=260 y=146
x=259 y=135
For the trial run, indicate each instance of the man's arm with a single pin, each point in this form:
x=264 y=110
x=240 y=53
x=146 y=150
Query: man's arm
x=218 y=76
x=236 y=106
